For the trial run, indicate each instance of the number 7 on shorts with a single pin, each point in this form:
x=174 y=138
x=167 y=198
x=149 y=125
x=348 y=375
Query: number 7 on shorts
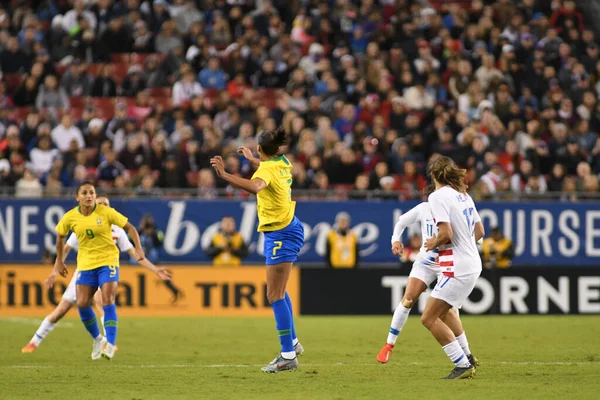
x=278 y=245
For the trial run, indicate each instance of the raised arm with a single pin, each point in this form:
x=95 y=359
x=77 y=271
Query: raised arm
x=243 y=150
x=252 y=186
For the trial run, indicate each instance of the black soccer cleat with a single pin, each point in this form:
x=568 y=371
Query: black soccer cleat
x=473 y=360
x=462 y=373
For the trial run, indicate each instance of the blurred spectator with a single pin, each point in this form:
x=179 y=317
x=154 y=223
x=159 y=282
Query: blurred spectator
x=26 y=93
x=172 y=176
x=28 y=186
x=65 y=133
x=110 y=168
x=342 y=249
x=497 y=250
x=42 y=156
x=227 y=247
x=213 y=77
x=51 y=96
x=12 y=59
x=133 y=82
x=104 y=84
x=185 y=89
x=75 y=80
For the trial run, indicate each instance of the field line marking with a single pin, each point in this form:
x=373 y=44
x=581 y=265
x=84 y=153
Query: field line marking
x=34 y=321
x=150 y=366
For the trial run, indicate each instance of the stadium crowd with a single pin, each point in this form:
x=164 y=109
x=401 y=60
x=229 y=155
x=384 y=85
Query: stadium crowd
x=139 y=95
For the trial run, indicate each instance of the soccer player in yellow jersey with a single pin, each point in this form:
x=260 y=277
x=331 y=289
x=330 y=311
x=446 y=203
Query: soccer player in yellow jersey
x=284 y=234
x=69 y=298
x=97 y=263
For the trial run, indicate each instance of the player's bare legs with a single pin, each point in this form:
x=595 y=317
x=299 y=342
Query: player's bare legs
x=455 y=324
x=48 y=325
x=435 y=310
x=413 y=291
x=432 y=319
x=277 y=278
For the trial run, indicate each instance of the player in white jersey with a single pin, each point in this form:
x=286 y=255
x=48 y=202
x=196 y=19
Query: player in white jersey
x=68 y=298
x=424 y=272
x=459 y=228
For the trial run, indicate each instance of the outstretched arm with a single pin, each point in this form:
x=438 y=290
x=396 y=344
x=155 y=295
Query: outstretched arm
x=252 y=186
x=162 y=272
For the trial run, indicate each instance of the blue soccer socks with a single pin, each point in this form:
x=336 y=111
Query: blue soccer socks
x=289 y=304
x=283 y=323
x=88 y=317
x=110 y=323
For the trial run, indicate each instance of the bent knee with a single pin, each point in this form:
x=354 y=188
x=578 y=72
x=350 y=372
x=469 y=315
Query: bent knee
x=84 y=303
x=273 y=296
x=408 y=302
x=427 y=320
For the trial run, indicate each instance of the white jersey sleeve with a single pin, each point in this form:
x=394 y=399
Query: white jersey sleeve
x=73 y=242
x=407 y=219
x=123 y=242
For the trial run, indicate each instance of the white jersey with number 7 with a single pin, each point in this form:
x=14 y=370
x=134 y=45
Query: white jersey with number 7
x=460 y=256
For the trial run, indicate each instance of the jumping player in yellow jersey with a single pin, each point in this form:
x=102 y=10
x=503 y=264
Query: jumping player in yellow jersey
x=284 y=234
x=97 y=263
x=69 y=297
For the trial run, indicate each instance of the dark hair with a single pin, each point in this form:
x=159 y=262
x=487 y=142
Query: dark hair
x=83 y=184
x=270 y=141
x=445 y=171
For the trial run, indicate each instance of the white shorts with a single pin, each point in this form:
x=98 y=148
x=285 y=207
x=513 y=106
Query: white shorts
x=455 y=290
x=425 y=273
x=70 y=293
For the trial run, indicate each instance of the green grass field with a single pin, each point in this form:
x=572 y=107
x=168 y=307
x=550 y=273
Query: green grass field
x=220 y=358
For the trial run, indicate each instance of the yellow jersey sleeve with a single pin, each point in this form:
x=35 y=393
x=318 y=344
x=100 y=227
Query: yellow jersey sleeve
x=263 y=172
x=64 y=225
x=115 y=217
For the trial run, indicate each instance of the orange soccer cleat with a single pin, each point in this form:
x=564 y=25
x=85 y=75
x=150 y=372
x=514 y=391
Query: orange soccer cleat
x=29 y=348
x=116 y=348
x=385 y=353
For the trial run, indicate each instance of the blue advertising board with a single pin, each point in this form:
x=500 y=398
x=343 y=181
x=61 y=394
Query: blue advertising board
x=545 y=234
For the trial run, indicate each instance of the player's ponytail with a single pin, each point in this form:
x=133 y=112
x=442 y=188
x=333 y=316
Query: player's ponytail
x=281 y=137
x=445 y=171
x=270 y=141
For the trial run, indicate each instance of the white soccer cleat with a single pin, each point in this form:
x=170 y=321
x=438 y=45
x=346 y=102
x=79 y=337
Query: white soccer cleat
x=97 y=348
x=108 y=351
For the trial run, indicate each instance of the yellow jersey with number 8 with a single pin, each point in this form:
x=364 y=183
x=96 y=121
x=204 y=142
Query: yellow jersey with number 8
x=94 y=234
x=274 y=204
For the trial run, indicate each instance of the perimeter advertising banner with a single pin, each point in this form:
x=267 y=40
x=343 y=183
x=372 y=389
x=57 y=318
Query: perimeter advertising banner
x=513 y=291
x=193 y=291
x=545 y=234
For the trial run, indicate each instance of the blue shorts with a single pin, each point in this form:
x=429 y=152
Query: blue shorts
x=98 y=277
x=284 y=245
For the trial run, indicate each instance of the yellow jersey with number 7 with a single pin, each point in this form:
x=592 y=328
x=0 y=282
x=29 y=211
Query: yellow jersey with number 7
x=94 y=234
x=274 y=204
